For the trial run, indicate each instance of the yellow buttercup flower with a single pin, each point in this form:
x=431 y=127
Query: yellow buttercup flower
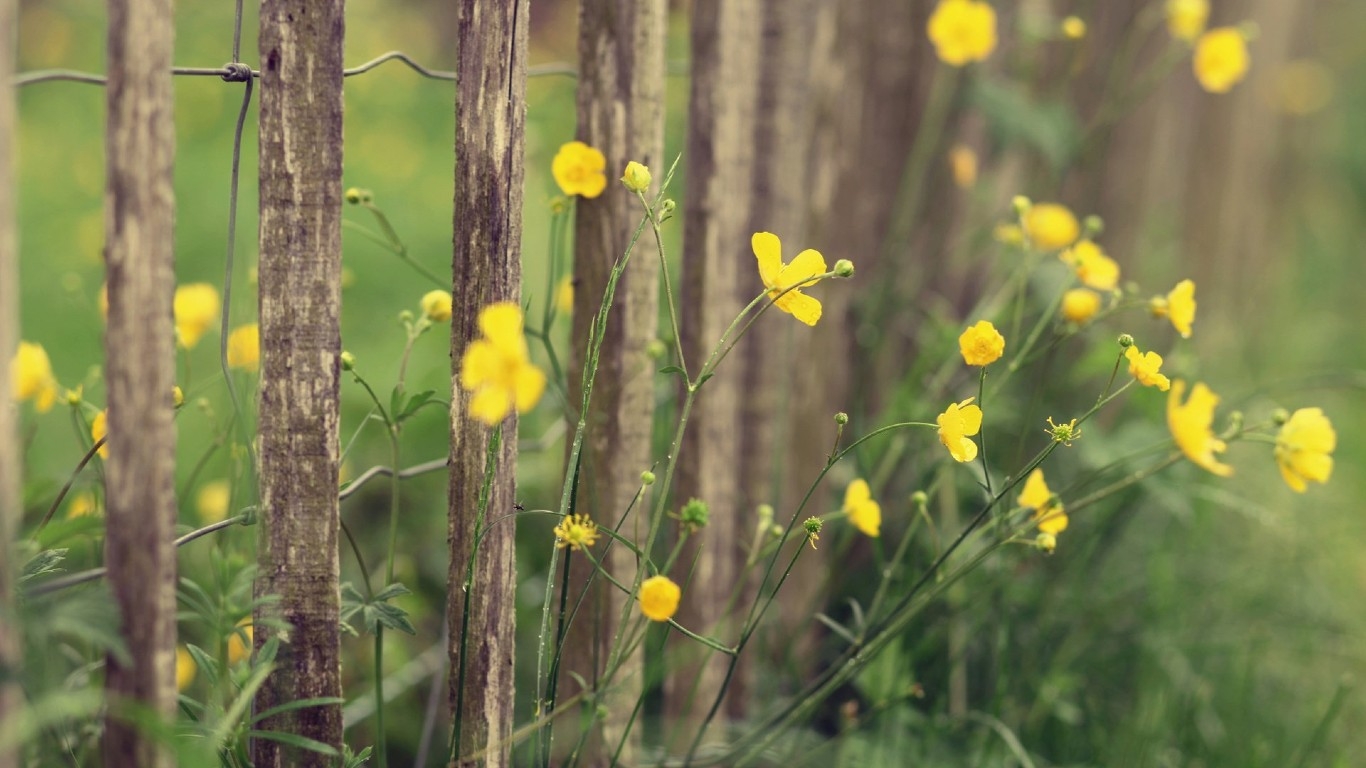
x=958 y=423
x=212 y=500
x=1304 y=448
x=564 y=295
x=1094 y=269
x=1080 y=305
x=637 y=177
x=1144 y=367
x=1190 y=426
x=496 y=370
x=659 y=597
x=83 y=504
x=862 y=511
x=184 y=669
x=981 y=344
x=963 y=165
x=196 y=310
x=1221 y=59
x=1048 y=511
x=579 y=170
x=576 y=532
x=962 y=31
x=240 y=641
x=778 y=277
x=244 y=348
x=436 y=305
x=30 y=376
x=1073 y=28
x=1050 y=226
x=1178 y=306
x=99 y=429
x=1186 y=18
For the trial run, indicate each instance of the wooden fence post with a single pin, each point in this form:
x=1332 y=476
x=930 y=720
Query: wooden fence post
x=11 y=482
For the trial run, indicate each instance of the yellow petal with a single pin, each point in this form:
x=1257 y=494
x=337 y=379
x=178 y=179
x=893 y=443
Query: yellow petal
x=857 y=493
x=966 y=450
x=799 y=305
x=972 y=420
x=530 y=385
x=489 y=405
x=807 y=265
x=768 y=249
x=479 y=365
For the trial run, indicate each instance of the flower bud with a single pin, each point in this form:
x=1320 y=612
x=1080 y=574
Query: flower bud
x=1280 y=416
x=348 y=361
x=1125 y=341
x=841 y=418
x=920 y=498
x=667 y=207
x=1046 y=542
x=812 y=526
x=637 y=177
x=1021 y=204
x=1092 y=226
x=353 y=195
x=656 y=349
x=178 y=396
x=647 y=478
x=844 y=268
x=695 y=515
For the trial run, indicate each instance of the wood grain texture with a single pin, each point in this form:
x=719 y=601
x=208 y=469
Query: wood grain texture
x=300 y=308
x=11 y=479
x=140 y=371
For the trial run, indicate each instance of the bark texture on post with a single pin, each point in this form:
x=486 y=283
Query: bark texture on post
x=11 y=478
x=490 y=127
x=718 y=269
x=621 y=112
x=139 y=545
x=300 y=306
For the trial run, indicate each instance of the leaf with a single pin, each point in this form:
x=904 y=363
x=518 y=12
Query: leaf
x=414 y=404
x=205 y=663
x=392 y=591
x=43 y=563
x=295 y=740
x=320 y=701
x=393 y=617
x=674 y=369
x=1017 y=117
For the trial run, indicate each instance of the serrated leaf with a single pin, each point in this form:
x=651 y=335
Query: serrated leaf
x=414 y=404
x=393 y=617
x=392 y=591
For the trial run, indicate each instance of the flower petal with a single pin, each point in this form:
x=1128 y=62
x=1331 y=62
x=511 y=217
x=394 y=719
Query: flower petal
x=768 y=249
x=805 y=308
x=530 y=385
x=857 y=493
x=501 y=324
x=490 y=405
x=807 y=265
x=964 y=450
x=972 y=420
x=479 y=365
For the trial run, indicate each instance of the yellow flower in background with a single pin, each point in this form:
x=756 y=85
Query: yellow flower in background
x=436 y=305
x=576 y=532
x=1190 y=423
x=778 y=277
x=981 y=344
x=1080 y=305
x=1186 y=18
x=102 y=301
x=963 y=165
x=1221 y=59
x=862 y=511
x=1006 y=233
x=244 y=348
x=496 y=370
x=637 y=177
x=1303 y=87
x=564 y=295
x=1304 y=448
x=1047 y=511
x=579 y=170
x=962 y=31
x=83 y=504
x=99 y=429
x=196 y=310
x=184 y=669
x=1050 y=226
x=30 y=376
x=1073 y=28
x=1144 y=367
x=212 y=500
x=1178 y=306
x=956 y=425
x=659 y=597
x=239 y=647
x=1094 y=269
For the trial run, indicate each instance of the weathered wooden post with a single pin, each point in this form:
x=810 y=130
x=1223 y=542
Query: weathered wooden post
x=11 y=494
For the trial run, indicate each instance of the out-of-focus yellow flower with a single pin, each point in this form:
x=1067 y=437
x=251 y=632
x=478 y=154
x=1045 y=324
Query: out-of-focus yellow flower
x=1050 y=226
x=30 y=376
x=637 y=177
x=778 y=277
x=962 y=31
x=1048 y=511
x=956 y=425
x=83 y=504
x=862 y=511
x=177 y=396
x=436 y=305
x=184 y=669
x=244 y=348
x=1303 y=87
x=1073 y=28
x=240 y=641
x=579 y=170
x=1144 y=367
x=1178 y=306
x=576 y=532
x=1221 y=59
x=1094 y=269
x=1190 y=422
x=1080 y=305
x=564 y=295
x=196 y=310
x=963 y=165
x=1186 y=18
x=99 y=429
x=102 y=301
x=1304 y=448
x=1006 y=233
x=981 y=344
x=212 y=500
x=496 y=370
x=659 y=597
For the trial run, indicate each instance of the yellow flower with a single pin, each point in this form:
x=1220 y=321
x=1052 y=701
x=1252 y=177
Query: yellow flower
x=177 y=396
x=240 y=641
x=1144 y=367
x=1008 y=234
x=102 y=301
x=99 y=429
x=1073 y=28
x=659 y=597
x=579 y=170
x=956 y=424
x=564 y=295
x=962 y=31
x=496 y=369
x=1047 y=510
x=778 y=277
x=211 y=502
x=862 y=511
x=981 y=344
x=1050 y=226
x=196 y=309
x=1190 y=426
x=1221 y=59
x=1178 y=306
x=1093 y=267
x=184 y=669
x=436 y=305
x=1080 y=305
x=1186 y=18
x=1304 y=447
x=963 y=165
x=576 y=532
x=30 y=376
x=244 y=348
x=82 y=504
x=637 y=177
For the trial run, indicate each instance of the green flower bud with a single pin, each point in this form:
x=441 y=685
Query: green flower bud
x=1125 y=341
x=695 y=515
x=637 y=177
x=844 y=268
x=1046 y=542
x=920 y=498
x=1092 y=226
x=647 y=478
x=841 y=418
x=348 y=361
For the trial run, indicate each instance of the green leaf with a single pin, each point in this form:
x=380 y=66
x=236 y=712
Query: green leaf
x=393 y=617
x=43 y=563
x=206 y=664
x=1017 y=117
x=414 y=404
x=392 y=591
x=674 y=369
x=320 y=701
x=295 y=740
